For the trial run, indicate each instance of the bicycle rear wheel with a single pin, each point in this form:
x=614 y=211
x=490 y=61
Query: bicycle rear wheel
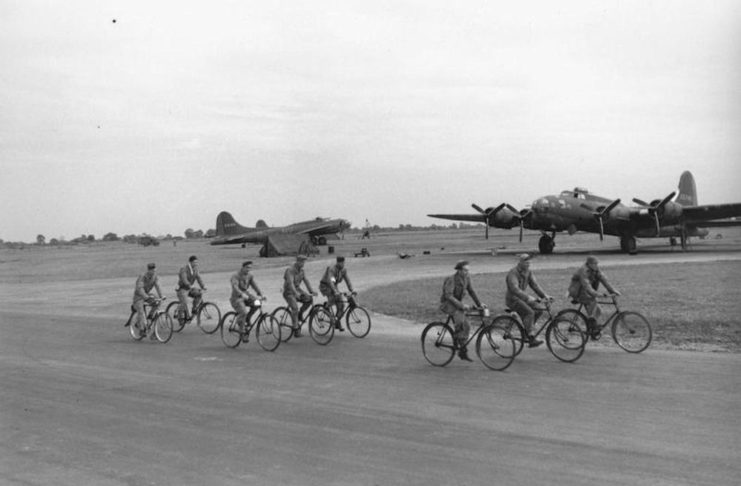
x=177 y=314
x=163 y=327
x=136 y=333
x=631 y=331
x=566 y=337
x=321 y=325
x=438 y=344
x=358 y=321
x=209 y=317
x=283 y=316
x=495 y=347
x=513 y=331
x=230 y=334
x=268 y=332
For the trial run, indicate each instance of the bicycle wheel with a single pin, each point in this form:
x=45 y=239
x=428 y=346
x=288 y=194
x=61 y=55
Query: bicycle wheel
x=438 y=345
x=358 y=322
x=209 y=317
x=230 y=334
x=576 y=318
x=163 y=327
x=566 y=337
x=513 y=331
x=631 y=331
x=495 y=347
x=178 y=316
x=321 y=325
x=136 y=333
x=283 y=316
x=268 y=332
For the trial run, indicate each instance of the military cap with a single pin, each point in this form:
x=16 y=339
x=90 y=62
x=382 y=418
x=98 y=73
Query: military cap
x=523 y=257
x=591 y=259
x=192 y=258
x=151 y=266
x=340 y=259
x=247 y=263
x=461 y=264
x=301 y=258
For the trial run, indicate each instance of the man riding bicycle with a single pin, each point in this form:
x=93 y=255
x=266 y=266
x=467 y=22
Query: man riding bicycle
x=293 y=294
x=583 y=289
x=241 y=298
x=144 y=284
x=518 y=280
x=188 y=276
x=454 y=288
x=328 y=287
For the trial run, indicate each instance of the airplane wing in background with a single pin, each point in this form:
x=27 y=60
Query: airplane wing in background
x=705 y=215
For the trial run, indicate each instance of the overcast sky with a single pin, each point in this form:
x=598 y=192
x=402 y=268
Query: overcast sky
x=143 y=116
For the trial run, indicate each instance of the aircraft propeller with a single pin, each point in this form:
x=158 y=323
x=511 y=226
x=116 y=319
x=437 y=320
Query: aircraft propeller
x=600 y=216
x=523 y=214
x=655 y=207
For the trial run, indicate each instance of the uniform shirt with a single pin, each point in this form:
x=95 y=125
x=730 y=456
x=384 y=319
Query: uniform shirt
x=454 y=288
x=292 y=281
x=585 y=282
x=241 y=282
x=517 y=282
x=188 y=275
x=333 y=276
x=144 y=284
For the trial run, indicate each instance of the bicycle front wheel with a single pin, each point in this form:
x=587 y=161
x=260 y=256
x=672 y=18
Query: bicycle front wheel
x=566 y=337
x=268 y=332
x=163 y=327
x=495 y=347
x=230 y=334
x=513 y=331
x=631 y=331
x=209 y=317
x=177 y=314
x=321 y=325
x=358 y=322
x=438 y=344
x=283 y=316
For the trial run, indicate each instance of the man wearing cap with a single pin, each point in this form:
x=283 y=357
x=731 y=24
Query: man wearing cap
x=583 y=289
x=518 y=279
x=241 y=297
x=293 y=293
x=187 y=277
x=144 y=284
x=328 y=287
x=451 y=303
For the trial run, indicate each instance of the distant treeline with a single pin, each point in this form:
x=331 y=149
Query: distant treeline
x=191 y=234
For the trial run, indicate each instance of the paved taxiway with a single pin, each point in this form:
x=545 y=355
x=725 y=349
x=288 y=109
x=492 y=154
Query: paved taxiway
x=80 y=403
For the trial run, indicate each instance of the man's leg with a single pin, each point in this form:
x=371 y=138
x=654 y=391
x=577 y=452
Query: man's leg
x=197 y=298
x=593 y=312
x=528 y=317
x=183 y=298
x=140 y=320
x=462 y=330
x=293 y=310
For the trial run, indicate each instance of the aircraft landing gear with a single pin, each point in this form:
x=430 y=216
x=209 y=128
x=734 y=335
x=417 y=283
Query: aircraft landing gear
x=628 y=245
x=546 y=244
x=673 y=241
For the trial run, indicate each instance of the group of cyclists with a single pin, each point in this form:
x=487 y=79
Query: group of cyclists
x=582 y=289
x=246 y=293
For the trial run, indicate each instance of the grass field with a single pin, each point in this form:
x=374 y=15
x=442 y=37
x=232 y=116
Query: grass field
x=690 y=306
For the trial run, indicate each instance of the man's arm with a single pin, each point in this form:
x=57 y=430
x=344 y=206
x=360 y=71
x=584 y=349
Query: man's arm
x=472 y=293
x=536 y=287
x=140 y=287
x=347 y=282
x=289 y=283
x=448 y=288
x=514 y=288
x=157 y=286
x=586 y=285
x=183 y=279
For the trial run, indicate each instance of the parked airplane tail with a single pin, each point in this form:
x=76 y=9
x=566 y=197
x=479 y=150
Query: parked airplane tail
x=687 y=190
x=226 y=225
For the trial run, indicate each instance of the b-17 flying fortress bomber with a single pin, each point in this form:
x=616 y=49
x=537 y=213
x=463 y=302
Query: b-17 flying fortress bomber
x=578 y=210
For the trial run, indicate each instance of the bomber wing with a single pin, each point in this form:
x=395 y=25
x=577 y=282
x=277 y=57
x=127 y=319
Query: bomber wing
x=705 y=214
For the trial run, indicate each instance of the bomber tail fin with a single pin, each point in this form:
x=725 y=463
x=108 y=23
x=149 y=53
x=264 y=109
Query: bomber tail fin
x=226 y=225
x=687 y=190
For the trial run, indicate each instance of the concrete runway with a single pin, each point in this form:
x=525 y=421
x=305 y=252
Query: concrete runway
x=81 y=403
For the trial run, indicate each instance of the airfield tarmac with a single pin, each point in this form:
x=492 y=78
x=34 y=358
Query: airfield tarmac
x=81 y=403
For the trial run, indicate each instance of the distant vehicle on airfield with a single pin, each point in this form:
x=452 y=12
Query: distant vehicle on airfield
x=578 y=210
x=229 y=232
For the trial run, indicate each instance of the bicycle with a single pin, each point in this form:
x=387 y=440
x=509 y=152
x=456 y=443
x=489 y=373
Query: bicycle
x=283 y=316
x=207 y=315
x=158 y=323
x=267 y=332
x=324 y=321
x=495 y=350
x=629 y=329
x=564 y=332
